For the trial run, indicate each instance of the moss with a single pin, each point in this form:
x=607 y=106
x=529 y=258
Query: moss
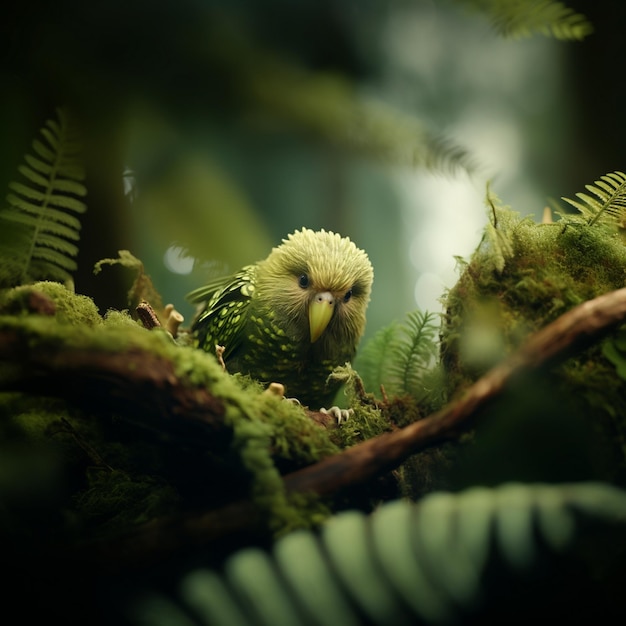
x=518 y=281
x=119 y=319
x=114 y=500
x=69 y=308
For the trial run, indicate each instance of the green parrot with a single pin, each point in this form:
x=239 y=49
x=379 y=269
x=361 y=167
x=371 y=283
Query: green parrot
x=291 y=318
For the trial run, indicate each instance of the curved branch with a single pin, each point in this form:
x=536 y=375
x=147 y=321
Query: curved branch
x=572 y=332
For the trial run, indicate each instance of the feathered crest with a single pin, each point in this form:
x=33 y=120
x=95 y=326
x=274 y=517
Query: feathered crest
x=609 y=203
x=39 y=225
x=520 y=18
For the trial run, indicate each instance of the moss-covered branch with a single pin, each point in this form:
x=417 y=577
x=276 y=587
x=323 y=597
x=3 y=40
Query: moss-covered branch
x=570 y=333
x=84 y=368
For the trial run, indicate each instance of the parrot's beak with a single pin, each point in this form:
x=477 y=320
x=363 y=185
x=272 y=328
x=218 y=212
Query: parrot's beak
x=320 y=311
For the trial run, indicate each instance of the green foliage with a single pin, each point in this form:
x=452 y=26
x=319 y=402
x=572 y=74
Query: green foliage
x=328 y=107
x=39 y=225
x=452 y=558
x=498 y=237
x=502 y=299
x=609 y=204
x=68 y=307
x=399 y=356
x=521 y=18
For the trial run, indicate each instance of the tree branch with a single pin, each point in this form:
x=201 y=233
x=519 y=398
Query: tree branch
x=572 y=332
x=135 y=382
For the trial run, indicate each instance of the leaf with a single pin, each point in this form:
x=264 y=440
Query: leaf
x=372 y=360
x=497 y=236
x=41 y=205
x=327 y=107
x=523 y=18
x=413 y=352
x=609 y=203
x=451 y=558
x=398 y=356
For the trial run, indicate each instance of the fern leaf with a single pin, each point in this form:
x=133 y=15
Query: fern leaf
x=51 y=241
x=452 y=558
x=38 y=164
x=44 y=203
x=60 y=230
x=57 y=184
x=32 y=175
x=413 y=352
x=327 y=106
x=25 y=191
x=69 y=186
x=398 y=356
x=52 y=138
x=53 y=257
x=51 y=226
x=609 y=203
x=32 y=210
x=373 y=359
x=51 y=271
x=521 y=18
x=43 y=151
x=67 y=202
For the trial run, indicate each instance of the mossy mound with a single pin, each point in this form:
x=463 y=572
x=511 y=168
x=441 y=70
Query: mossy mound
x=522 y=276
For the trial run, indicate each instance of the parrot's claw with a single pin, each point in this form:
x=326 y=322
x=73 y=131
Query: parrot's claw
x=341 y=415
x=219 y=354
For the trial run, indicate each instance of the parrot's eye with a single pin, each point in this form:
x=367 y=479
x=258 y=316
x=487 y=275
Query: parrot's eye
x=303 y=281
x=348 y=295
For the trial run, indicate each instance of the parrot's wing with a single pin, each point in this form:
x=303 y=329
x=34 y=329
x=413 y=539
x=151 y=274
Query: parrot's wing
x=224 y=316
x=204 y=293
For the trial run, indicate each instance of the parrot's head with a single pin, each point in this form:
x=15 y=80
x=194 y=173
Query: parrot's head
x=319 y=284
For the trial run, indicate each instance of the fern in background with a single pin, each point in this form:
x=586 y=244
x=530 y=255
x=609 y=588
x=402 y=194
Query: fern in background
x=399 y=357
x=39 y=227
x=609 y=203
x=521 y=18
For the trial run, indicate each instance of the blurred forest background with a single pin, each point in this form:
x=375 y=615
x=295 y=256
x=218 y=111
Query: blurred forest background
x=213 y=128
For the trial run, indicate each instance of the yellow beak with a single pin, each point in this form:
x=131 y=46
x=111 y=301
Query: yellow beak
x=320 y=311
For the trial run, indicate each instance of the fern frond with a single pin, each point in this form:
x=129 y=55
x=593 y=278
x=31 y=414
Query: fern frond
x=451 y=558
x=327 y=107
x=609 y=202
x=43 y=206
x=373 y=359
x=413 y=352
x=59 y=259
x=523 y=18
x=399 y=356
